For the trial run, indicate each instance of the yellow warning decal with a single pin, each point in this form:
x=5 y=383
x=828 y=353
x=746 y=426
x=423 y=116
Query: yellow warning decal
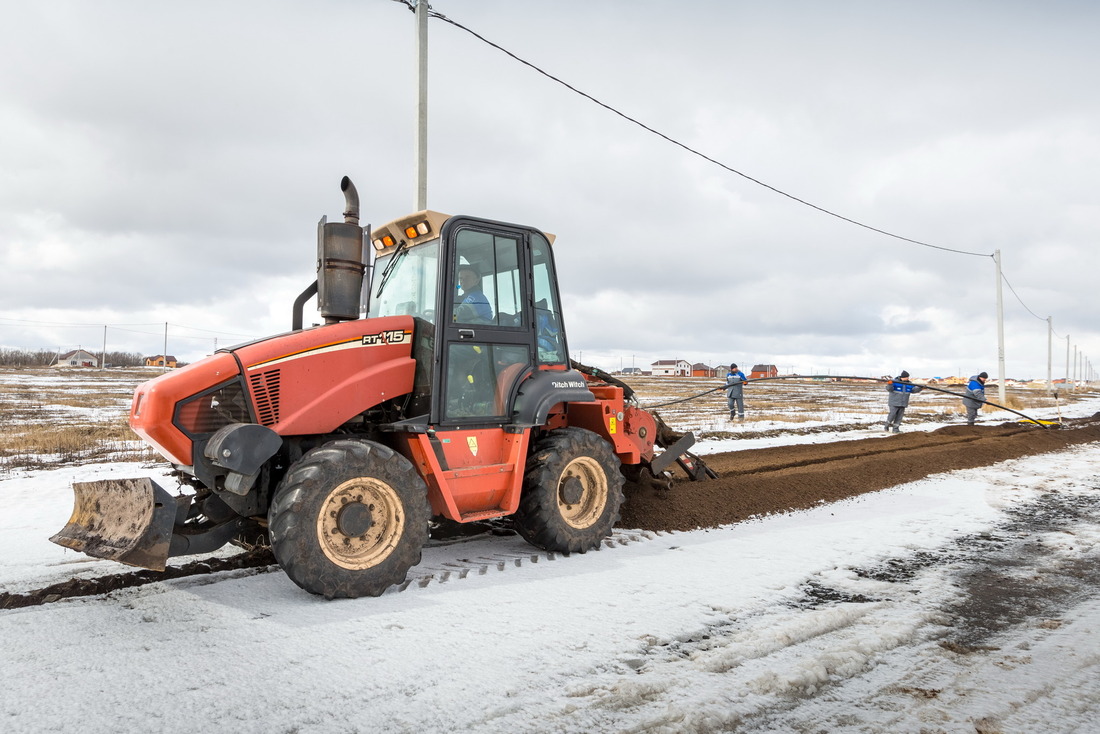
x=471 y=441
x=611 y=424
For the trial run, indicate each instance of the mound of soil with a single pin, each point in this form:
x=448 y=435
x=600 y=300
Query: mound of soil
x=784 y=478
x=751 y=482
x=259 y=558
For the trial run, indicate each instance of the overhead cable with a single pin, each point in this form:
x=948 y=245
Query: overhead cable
x=1005 y=279
x=122 y=327
x=693 y=151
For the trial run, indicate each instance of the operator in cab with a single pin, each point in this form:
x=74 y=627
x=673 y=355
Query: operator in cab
x=474 y=306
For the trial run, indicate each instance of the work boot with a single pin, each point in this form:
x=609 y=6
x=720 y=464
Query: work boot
x=741 y=417
x=897 y=430
x=732 y=415
x=887 y=427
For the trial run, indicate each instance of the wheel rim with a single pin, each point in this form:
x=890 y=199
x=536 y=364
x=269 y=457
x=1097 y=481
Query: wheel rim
x=380 y=516
x=586 y=475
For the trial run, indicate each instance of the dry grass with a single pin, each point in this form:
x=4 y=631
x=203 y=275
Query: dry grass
x=842 y=405
x=37 y=446
x=88 y=400
x=49 y=418
x=782 y=417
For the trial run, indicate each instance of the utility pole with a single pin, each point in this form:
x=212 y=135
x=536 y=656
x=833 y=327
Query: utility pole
x=164 y=357
x=1067 y=360
x=1000 y=330
x=103 y=354
x=1050 y=347
x=421 y=151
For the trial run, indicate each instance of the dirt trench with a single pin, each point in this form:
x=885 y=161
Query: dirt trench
x=750 y=482
x=784 y=478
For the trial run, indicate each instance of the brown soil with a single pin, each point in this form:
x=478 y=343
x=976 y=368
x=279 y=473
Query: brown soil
x=750 y=483
x=783 y=478
x=258 y=558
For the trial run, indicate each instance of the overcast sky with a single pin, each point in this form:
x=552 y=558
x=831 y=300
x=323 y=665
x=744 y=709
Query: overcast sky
x=168 y=162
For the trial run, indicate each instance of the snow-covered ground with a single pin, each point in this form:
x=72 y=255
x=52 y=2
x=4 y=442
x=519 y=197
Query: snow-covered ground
x=968 y=601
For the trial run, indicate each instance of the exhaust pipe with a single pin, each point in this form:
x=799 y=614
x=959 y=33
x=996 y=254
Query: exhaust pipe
x=341 y=249
x=351 y=200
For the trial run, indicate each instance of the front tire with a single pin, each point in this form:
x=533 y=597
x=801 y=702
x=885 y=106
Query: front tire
x=349 y=519
x=572 y=492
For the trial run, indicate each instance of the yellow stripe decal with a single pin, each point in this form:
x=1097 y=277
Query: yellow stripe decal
x=389 y=337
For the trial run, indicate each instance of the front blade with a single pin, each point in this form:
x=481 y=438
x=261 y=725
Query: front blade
x=124 y=520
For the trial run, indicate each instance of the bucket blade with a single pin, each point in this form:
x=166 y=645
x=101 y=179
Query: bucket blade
x=124 y=520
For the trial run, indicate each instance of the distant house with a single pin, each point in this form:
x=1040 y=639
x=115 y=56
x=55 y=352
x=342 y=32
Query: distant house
x=631 y=371
x=159 y=360
x=701 y=370
x=671 y=368
x=763 y=370
x=78 y=358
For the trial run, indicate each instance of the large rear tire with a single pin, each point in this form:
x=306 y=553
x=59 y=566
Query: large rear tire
x=349 y=519
x=572 y=492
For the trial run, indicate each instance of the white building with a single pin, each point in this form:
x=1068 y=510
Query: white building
x=77 y=358
x=671 y=368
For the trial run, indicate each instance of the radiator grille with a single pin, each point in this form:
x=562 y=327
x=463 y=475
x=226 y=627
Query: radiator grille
x=265 y=389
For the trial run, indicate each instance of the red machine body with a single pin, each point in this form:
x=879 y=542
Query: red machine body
x=454 y=399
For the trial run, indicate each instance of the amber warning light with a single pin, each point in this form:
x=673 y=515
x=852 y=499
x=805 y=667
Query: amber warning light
x=417 y=230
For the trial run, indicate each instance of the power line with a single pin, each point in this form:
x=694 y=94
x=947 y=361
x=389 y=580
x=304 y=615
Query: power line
x=72 y=323
x=1005 y=279
x=210 y=331
x=121 y=327
x=444 y=18
x=693 y=151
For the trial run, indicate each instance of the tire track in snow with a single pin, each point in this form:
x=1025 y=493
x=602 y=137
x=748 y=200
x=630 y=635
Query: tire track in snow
x=443 y=567
x=442 y=562
x=910 y=642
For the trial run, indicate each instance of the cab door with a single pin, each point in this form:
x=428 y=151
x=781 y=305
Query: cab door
x=486 y=341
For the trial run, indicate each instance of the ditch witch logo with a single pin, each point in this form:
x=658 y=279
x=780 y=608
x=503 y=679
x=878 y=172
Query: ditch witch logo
x=564 y=384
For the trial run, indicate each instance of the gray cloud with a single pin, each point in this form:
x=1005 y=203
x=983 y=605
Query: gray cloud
x=169 y=164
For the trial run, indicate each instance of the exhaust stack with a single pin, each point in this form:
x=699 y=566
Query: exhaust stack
x=341 y=250
x=351 y=201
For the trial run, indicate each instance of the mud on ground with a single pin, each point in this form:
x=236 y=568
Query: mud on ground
x=750 y=483
x=784 y=478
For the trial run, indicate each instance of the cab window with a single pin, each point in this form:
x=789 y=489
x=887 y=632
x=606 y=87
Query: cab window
x=404 y=282
x=548 y=330
x=487 y=280
x=480 y=377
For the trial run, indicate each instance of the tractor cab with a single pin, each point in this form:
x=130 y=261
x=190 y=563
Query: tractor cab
x=485 y=298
